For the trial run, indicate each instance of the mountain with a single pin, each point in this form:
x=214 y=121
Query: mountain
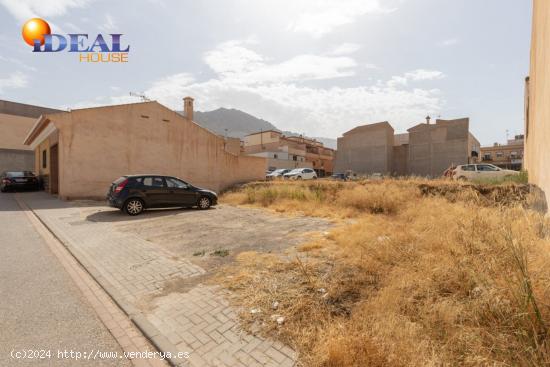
x=239 y=124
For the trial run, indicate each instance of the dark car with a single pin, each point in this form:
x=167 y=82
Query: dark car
x=339 y=176
x=134 y=193
x=18 y=180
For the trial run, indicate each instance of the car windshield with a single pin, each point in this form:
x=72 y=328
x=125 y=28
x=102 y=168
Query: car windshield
x=19 y=174
x=298 y=170
x=279 y=171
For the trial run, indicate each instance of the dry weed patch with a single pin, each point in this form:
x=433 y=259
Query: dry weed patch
x=417 y=280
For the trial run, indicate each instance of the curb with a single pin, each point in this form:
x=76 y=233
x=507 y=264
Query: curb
x=149 y=331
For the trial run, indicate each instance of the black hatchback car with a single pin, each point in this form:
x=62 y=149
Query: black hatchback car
x=15 y=180
x=134 y=193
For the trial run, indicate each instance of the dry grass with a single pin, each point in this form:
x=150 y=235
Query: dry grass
x=321 y=198
x=415 y=281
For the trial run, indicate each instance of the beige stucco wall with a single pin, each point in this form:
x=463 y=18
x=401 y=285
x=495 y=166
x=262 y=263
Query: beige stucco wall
x=98 y=145
x=14 y=156
x=537 y=134
x=13 y=130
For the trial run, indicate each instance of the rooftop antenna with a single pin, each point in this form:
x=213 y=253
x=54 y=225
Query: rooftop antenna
x=507 y=133
x=141 y=96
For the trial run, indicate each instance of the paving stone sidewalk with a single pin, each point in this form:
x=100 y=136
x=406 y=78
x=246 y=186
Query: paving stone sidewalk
x=135 y=271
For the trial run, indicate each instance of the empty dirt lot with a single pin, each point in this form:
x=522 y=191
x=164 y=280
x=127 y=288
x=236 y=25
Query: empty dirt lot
x=212 y=236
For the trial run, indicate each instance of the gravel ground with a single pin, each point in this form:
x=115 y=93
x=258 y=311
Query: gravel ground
x=40 y=306
x=214 y=236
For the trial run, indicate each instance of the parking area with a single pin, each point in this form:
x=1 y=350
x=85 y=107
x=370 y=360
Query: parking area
x=211 y=236
x=156 y=264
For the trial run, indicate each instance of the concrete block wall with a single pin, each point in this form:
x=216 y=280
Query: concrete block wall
x=16 y=160
x=365 y=150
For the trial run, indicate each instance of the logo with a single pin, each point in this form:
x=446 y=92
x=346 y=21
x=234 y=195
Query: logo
x=99 y=49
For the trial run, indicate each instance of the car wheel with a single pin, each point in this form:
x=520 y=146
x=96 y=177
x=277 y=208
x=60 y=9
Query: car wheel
x=3 y=189
x=204 y=203
x=462 y=178
x=314 y=177
x=299 y=177
x=133 y=206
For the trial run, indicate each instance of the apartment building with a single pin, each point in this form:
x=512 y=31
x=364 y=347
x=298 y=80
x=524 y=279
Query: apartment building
x=320 y=157
x=426 y=150
x=537 y=95
x=507 y=156
x=289 y=151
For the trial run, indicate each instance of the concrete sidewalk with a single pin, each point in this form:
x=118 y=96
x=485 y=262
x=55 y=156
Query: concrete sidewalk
x=40 y=306
x=134 y=271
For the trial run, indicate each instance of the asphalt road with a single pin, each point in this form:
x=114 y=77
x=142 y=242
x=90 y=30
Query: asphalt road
x=41 y=309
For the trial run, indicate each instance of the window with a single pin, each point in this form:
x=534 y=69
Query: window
x=275 y=156
x=486 y=168
x=175 y=183
x=153 y=181
x=487 y=156
x=44 y=159
x=499 y=154
x=469 y=167
x=294 y=157
x=513 y=154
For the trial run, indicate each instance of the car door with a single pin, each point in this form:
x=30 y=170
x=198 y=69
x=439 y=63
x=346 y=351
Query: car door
x=469 y=171
x=154 y=191
x=486 y=171
x=180 y=193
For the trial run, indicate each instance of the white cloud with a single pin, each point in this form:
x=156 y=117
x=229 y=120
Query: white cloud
x=109 y=24
x=17 y=62
x=238 y=64
x=282 y=92
x=25 y=9
x=315 y=111
x=345 y=49
x=397 y=81
x=422 y=74
x=449 y=42
x=320 y=17
x=414 y=76
x=14 y=81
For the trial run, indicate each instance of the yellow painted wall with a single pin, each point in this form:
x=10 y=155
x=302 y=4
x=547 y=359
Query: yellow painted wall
x=98 y=145
x=537 y=134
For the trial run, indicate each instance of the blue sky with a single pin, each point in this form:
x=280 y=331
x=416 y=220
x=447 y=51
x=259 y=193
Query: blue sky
x=319 y=67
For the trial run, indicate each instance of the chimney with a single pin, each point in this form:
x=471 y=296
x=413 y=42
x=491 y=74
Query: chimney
x=188 y=108
x=428 y=118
